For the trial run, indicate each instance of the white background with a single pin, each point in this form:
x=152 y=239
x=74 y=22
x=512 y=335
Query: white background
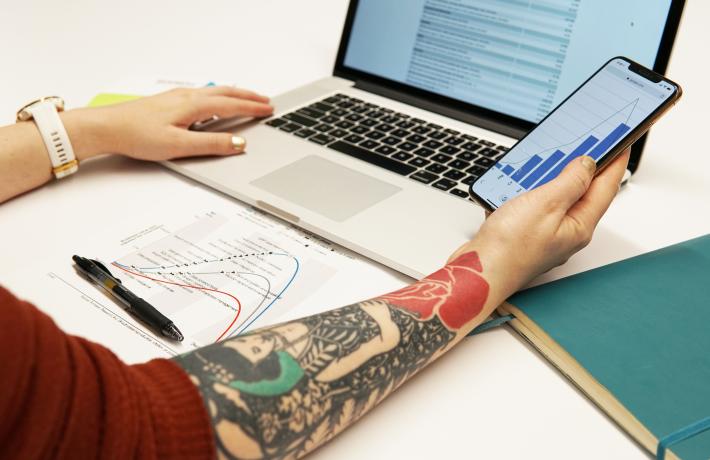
x=492 y=397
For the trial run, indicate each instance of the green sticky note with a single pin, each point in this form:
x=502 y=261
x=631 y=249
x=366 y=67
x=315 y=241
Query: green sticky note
x=111 y=98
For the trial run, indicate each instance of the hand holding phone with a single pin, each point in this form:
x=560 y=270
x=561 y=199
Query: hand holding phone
x=600 y=119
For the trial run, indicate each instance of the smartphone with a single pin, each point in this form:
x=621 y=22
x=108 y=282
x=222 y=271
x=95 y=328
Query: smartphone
x=601 y=118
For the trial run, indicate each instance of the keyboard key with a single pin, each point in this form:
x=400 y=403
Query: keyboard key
x=454 y=175
x=309 y=112
x=338 y=133
x=332 y=99
x=361 y=109
x=354 y=139
x=419 y=162
x=466 y=156
x=491 y=153
x=400 y=133
x=469 y=180
x=338 y=113
x=359 y=129
x=384 y=127
x=344 y=124
x=424 y=176
x=454 y=140
x=476 y=170
x=373 y=158
x=375 y=135
x=329 y=119
x=458 y=192
x=387 y=110
x=391 y=140
x=305 y=132
x=441 y=158
x=483 y=161
x=486 y=143
x=459 y=164
x=369 y=122
x=432 y=144
x=402 y=115
x=276 y=122
x=369 y=144
x=421 y=129
x=408 y=146
x=356 y=100
x=416 y=138
x=305 y=121
x=375 y=114
x=449 y=150
x=345 y=104
x=452 y=132
x=321 y=139
x=354 y=117
x=291 y=127
x=369 y=105
x=322 y=107
x=324 y=128
x=438 y=135
x=434 y=126
x=391 y=119
x=406 y=124
x=385 y=150
x=468 y=137
x=436 y=168
x=501 y=148
x=418 y=120
x=443 y=184
x=472 y=146
x=402 y=156
x=424 y=152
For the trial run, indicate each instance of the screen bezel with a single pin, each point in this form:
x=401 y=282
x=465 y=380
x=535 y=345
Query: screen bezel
x=435 y=100
x=632 y=136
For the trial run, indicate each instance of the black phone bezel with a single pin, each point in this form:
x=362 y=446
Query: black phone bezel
x=632 y=136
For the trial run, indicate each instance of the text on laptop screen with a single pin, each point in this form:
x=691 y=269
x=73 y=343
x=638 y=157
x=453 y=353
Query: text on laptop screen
x=519 y=58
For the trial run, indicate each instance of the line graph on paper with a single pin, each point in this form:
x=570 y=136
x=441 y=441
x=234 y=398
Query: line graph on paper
x=219 y=277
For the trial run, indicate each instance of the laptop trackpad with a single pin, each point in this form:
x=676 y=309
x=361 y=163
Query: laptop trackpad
x=325 y=187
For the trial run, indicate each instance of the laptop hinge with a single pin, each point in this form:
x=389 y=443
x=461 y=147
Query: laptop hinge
x=460 y=115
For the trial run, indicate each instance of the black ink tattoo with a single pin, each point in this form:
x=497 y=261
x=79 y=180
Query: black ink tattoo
x=282 y=391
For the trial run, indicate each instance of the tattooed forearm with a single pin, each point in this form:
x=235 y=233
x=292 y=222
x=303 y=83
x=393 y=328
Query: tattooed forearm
x=282 y=391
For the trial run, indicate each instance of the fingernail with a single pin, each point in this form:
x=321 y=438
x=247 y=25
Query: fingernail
x=238 y=143
x=589 y=163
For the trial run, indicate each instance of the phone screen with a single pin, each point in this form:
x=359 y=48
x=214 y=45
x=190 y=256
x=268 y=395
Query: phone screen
x=595 y=118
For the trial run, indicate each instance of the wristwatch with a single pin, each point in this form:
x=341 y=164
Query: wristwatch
x=45 y=114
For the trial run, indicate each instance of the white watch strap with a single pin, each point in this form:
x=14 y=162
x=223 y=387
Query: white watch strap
x=55 y=138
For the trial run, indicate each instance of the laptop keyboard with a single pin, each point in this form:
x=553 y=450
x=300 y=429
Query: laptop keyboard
x=425 y=152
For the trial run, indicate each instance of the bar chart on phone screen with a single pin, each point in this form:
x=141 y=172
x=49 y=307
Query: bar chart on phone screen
x=590 y=122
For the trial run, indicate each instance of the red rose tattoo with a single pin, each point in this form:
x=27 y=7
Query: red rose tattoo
x=435 y=294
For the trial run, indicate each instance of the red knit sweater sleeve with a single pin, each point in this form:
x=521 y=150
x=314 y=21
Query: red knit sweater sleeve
x=65 y=397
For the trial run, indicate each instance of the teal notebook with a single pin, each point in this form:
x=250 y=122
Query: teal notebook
x=635 y=337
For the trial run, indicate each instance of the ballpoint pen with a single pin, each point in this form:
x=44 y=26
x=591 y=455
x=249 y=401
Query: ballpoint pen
x=145 y=312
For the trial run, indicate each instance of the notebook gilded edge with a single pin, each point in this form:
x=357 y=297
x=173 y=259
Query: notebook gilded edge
x=581 y=378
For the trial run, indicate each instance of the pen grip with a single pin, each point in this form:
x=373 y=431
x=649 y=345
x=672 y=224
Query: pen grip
x=149 y=314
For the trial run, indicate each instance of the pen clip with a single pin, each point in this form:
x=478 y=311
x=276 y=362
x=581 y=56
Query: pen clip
x=104 y=269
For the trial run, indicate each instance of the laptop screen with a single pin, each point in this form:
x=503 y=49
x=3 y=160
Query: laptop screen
x=518 y=58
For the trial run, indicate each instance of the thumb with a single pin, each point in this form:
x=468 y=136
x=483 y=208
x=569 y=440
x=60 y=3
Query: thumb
x=566 y=189
x=206 y=143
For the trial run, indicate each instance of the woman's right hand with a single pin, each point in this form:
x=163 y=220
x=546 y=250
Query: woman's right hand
x=542 y=228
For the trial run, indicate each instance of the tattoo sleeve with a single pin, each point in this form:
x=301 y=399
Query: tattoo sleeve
x=282 y=391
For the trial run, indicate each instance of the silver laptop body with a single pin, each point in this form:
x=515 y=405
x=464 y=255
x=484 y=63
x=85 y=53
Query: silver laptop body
x=301 y=175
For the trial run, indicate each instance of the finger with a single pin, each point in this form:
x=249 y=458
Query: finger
x=569 y=186
x=227 y=107
x=231 y=91
x=192 y=143
x=592 y=206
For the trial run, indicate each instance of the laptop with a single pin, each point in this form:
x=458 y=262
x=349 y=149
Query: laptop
x=425 y=96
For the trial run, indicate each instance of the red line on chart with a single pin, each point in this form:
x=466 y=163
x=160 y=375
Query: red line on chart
x=239 y=304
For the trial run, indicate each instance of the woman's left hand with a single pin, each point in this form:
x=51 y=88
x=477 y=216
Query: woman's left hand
x=155 y=128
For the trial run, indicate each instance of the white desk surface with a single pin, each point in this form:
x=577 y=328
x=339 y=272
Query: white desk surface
x=492 y=397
